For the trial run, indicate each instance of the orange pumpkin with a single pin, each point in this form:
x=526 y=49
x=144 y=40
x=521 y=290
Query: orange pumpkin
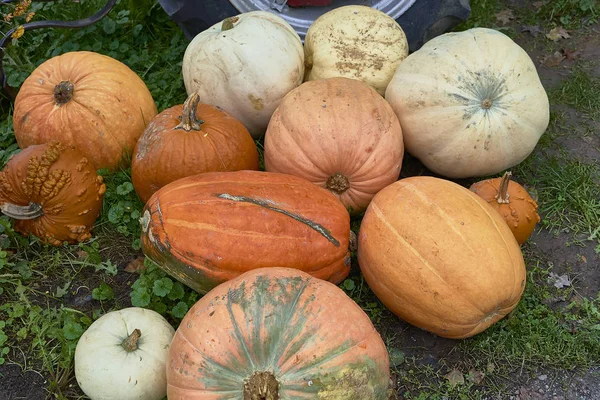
x=512 y=201
x=51 y=191
x=439 y=257
x=206 y=229
x=340 y=134
x=190 y=139
x=277 y=333
x=87 y=100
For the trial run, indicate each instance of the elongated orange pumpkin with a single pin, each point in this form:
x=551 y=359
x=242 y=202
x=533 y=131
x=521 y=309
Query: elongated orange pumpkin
x=277 y=333
x=84 y=99
x=438 y=256
x=51 y=191
x=206 y=229
x=190 y=139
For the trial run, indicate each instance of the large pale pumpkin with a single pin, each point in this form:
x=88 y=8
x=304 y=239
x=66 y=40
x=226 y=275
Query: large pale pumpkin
x=441 y=258
x=470 y=103
x=339 y=134
x=245 y=65
x=206 y=229
x=357 y=42
x=277 y=333
x=190 y=139
x=87 y=100
x=51 y=191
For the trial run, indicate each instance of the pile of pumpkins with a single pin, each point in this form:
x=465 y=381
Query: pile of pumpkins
x=267 y=248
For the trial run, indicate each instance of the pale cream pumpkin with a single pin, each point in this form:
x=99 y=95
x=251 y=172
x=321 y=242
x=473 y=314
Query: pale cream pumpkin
x=357 y=42
x=123 y=356
x=245 y=65
x=470 y=103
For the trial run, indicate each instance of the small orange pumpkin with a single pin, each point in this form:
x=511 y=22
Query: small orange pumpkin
x=512 y=201
x=53 y=192
x=190 y=139
x=84 y=99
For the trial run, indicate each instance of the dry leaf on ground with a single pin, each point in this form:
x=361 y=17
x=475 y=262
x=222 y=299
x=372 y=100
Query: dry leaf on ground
x=136 y=266
x=558 y=33
x=534 y=30
x=552 y=60
x=455 y=377
x=505 y=16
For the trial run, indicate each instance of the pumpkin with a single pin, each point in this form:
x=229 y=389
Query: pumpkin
x=208 y=228
x=512 y=201
x=123 y=355
x=245 y=65
x=357 y=42
x=190 y=139
x=277 y=333
x=440 y=257
x=51 y=191
x=87 y=100
x=470 y=103
x=339 y=134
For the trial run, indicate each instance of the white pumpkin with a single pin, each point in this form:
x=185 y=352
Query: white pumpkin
x=123 y=356
x=470 y=103
x=245 y=65
x=356 y=42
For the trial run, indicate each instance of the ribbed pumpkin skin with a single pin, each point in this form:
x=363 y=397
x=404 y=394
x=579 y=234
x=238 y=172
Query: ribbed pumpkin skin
x=164 y=154
x=439 y=257
x=108 y=112
x=60 y=180
x=308 y=333
x=204 y=229
x=336 y=126
x=519 y=211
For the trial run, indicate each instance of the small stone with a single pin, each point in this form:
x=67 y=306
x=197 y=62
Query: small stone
x=543 y=377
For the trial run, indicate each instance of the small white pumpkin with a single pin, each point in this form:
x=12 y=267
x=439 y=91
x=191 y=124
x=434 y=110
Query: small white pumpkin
x=245 y=65
x=470 y=103
x=123 y=356
x=356 y=42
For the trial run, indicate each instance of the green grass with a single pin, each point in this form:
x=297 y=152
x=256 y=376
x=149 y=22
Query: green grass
x=580 y=91
x=568 y=194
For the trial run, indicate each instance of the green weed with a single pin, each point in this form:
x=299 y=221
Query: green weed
x=155 y=290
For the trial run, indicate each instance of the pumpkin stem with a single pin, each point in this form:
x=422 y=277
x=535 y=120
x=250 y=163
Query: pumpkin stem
x=262 y=385
x=63 y=93
x=337 y=183
x=30 y=211
x=189 y=120
x=502 y=196
x=130 y=343
x=486 y=104
x=228 y=23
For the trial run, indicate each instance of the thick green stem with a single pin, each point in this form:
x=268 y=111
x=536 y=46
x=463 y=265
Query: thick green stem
x=130 y=343
x=189 y=120
x=30 y=211
x=502 y=196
